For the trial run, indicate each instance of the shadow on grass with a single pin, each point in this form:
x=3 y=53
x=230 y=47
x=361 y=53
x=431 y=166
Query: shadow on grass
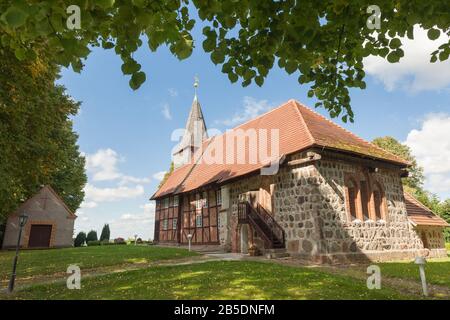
x=215 y=280
x=47 y=262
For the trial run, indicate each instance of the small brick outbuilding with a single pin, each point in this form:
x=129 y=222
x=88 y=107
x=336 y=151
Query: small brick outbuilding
x=50 y=222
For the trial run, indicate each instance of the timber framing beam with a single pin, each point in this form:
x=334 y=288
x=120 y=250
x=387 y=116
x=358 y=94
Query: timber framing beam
x=310 y=157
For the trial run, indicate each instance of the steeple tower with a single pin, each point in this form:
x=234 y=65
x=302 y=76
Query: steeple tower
x=194 y=134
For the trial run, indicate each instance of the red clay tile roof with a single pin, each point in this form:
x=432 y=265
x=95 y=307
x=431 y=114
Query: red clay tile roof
x=421 y=215
x=299 y=127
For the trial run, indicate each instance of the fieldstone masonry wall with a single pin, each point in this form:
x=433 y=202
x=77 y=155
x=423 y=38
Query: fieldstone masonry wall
x=309 y=203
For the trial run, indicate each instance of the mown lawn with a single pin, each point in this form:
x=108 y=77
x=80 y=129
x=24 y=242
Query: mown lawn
x=47 y=262
x=214 y=280
x=437 y=271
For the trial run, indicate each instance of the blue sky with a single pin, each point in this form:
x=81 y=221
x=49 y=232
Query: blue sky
x=125 y=134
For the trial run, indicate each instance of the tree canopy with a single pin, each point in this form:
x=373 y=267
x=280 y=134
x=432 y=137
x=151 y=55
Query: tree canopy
x=104 y=236
x=37 y=142
x=415 y=180
x=415 y=177
x=323 y=42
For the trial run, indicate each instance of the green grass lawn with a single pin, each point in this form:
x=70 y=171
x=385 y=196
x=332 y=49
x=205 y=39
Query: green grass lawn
x=437 y=271
x=214 y=280
x=47 y=262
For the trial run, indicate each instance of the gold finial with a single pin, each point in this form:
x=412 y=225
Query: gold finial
x=196 y=81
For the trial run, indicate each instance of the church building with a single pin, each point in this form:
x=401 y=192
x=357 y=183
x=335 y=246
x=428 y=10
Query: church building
x=322 y=194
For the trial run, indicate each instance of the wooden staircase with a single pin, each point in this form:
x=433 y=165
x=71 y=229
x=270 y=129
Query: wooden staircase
x=263 y=223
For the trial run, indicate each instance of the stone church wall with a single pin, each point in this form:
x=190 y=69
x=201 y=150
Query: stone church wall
x=308 y=201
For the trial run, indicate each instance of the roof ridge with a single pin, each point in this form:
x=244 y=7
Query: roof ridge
x=311 y=138
x=351 y=133
x=52 y=191
x=60 y=199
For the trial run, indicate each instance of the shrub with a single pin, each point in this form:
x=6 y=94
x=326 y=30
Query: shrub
x=80 y=239
x=139 y=241
x=120 y=241
x=91 y=236
x=105 y=233
x=93 y=243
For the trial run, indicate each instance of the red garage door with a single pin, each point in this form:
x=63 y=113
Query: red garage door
x=40 y=236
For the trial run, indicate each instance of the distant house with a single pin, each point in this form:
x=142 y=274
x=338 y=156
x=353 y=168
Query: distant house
x=335 y=197
x=50 y=222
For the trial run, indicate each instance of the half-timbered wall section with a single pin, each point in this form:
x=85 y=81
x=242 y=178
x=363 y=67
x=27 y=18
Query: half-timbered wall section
x=166 y=219
x=200 y=217
x=193 y=213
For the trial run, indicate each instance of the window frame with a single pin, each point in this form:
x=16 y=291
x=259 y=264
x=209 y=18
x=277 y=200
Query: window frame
x=219 y=197
x=199 y=217
x=174 y=223
x=175 y=201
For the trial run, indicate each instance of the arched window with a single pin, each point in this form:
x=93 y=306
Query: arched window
x=378 y=201
x=352 y=194
x=364 y=199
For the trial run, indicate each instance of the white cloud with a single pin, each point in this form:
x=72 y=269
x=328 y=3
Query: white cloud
x=431 y=146
x=103 y=165
x=130 y=179
x=414 y=72
x=166 y=111
x=148 y=207
x=112 y=194
x=88 y=204
x=173 y=92
x=141 y=223
x=159 y=175
x=252 y=108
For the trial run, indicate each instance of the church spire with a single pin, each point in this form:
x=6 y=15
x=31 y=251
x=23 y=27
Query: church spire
x=194 y=134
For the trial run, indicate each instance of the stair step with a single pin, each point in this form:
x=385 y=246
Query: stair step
x=276 y=253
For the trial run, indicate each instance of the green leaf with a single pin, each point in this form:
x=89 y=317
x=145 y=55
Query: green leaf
x=137 y=79
x=443 y=55
x=139 y=3
x=259 y=80
x=393 y=57
x=14 y=17
x=130 y=67
x=433 y=34
x=395 y=43
x=233 y=77
x=107 y=45
x=20 y=53
x=105 y=4
x=217 y=56
x=291 y=66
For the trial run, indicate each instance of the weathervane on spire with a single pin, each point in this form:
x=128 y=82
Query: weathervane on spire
x=196 y=83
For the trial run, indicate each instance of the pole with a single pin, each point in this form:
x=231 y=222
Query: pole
x=13 y=275
x=189 y=243
x=423 y=279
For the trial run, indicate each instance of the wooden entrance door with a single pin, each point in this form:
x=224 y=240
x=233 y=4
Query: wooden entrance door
x=40 y=236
